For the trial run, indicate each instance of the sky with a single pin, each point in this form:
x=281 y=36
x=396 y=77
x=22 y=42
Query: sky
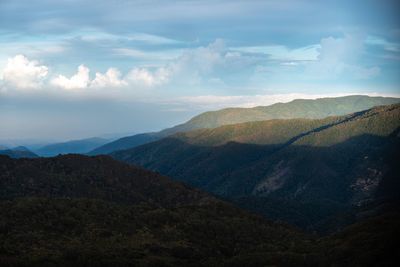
x=72 y=69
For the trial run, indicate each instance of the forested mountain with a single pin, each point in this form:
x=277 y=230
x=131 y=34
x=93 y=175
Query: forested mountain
x=74 y=146
x=300 y=108
x=301 y=171
x=99 y=212
x=95 y=211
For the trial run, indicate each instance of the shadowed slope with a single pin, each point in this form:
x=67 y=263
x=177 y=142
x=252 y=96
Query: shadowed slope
x=75 y=210
x=331 y=164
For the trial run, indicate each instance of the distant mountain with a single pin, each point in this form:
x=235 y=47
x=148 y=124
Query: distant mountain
x=18 y=152
x=300 y=108
x=303 y=171
x=20 y=148
x=126 y=142
x=74 y=146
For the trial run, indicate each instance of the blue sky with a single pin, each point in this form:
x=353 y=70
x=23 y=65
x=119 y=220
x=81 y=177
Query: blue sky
x=72 y=69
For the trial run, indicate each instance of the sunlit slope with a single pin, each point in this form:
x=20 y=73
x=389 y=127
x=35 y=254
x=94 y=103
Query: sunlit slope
x=331 y=164
x=300 y=108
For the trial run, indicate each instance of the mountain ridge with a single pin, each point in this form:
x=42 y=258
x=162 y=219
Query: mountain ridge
x=299 y=108
x=297 y=166
x=18 y=152
x=73 y=146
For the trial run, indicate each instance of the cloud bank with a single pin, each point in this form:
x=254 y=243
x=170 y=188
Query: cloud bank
x=77 y=81
x=214 y=67
x=22 y=73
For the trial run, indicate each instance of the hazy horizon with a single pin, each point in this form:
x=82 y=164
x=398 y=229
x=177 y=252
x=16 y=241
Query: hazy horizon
x=73 y=69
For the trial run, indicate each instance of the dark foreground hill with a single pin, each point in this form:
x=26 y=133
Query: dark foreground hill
x=76 y=210
x=299 y=108
x=317 y=174
x=79 y=211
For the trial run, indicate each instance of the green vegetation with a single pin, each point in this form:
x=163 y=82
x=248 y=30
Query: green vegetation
x=98 y=212
x=380 y=121
x=94 y=211
x=315 y=169
x=300 y=108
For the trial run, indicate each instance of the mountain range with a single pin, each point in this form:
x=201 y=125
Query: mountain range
x=306 y=172
x=81 y=146
x=299 y=108
x=17 y=152
x=304 y=183
x=95 y=211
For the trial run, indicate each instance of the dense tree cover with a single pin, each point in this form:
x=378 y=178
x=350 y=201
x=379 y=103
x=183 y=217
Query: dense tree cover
x=316 y=169
x=99 y=212
x=75 y=210
x=300 y=108
x=371 y=242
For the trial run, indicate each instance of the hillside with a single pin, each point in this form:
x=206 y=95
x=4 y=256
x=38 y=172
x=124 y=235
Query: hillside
x=76 y=210
x=94 y=211
x=315 y=168
x=300 y=108
x=125 y=142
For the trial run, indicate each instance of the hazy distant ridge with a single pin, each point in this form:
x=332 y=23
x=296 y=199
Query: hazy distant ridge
x=300 y=108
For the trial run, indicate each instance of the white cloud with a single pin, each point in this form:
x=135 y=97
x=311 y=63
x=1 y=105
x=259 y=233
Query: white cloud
x=112 y=78
x=22 y=73
x=145 y=77
x=193 y=66
x=340 y=57
x=151 y=39
x=92 y=35
x=388 y=46
x=78 y=81
x=198 y=66
x=282 y=53
x=208 y=63
x=364 y=73
x=137 y=78
x=148 y=56
x=290 y=63
x=334 y=50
